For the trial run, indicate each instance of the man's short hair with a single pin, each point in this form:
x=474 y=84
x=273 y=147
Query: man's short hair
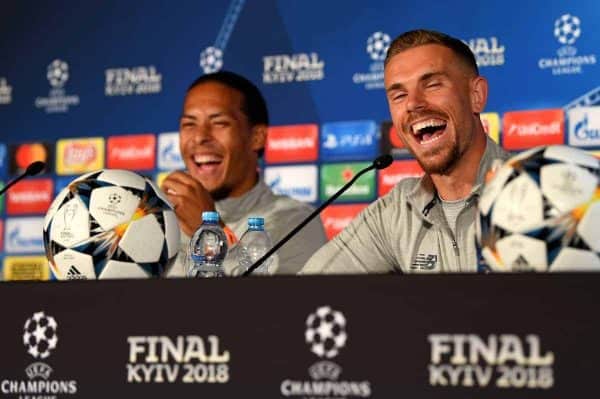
x=421 y=37
x=253 y=102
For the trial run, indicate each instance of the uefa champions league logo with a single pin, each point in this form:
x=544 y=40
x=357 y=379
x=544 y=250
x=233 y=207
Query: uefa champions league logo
x=39 y=335
x=570 y=61
x=377 y=45
x=326 y=332
x=58 y=101
x=40 y=339
x=211 y=59
x=567 y=29
x=58 y=73
x=326 y=335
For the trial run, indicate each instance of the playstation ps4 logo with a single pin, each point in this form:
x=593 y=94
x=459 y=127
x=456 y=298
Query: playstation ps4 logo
x=349 y=140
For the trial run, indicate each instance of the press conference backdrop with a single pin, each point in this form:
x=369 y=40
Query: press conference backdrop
x=85 y=86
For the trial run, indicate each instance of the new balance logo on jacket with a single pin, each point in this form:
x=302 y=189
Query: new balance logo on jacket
x=425 y=262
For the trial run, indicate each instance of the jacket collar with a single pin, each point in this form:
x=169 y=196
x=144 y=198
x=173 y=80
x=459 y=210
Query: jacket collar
x=423 y=195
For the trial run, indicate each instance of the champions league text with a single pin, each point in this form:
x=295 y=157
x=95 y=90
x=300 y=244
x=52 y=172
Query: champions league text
x=186 y=359
x=506 y=361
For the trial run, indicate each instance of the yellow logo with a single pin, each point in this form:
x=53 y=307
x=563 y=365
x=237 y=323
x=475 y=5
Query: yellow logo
x=491 y=125
x=76 y=156
x=20 y=268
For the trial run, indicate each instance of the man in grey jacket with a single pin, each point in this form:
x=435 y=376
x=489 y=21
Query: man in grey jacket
x=435 y=95
x=222 y=132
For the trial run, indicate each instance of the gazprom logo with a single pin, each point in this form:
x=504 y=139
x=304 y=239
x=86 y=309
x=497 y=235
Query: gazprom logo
x=299 y=182
x=169 y=157
x=584 y=126
x=349 y=140
x=24 y=235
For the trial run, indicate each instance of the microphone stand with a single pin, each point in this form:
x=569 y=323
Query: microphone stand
x=285 y=239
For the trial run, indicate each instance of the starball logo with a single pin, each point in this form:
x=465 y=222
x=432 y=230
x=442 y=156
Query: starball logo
x=326 y=336
x=5 y=92
x=567 y=31
x=376 y=48
x=57 y=101
x=286 y=68
x=503 y=360
x=180 y=359
x=40 y=338
x=137 y=80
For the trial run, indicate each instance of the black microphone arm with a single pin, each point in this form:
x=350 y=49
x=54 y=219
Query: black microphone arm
x=380 y=162
x=33 y=169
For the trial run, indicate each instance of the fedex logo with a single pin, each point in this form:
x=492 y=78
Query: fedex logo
x=24 y=235
x=30 y=196
x=349 y=140
x=397 y=171
x=299 y=182
x=335 y=218
x=135 y=152
x=169 y=156
x=294 y=143
x=584 y=126
x=527 y=129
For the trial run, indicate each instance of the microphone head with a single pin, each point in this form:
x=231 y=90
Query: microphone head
x=383 y=161
x=35 y=168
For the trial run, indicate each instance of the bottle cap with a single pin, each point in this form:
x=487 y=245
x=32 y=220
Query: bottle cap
x=210 y=216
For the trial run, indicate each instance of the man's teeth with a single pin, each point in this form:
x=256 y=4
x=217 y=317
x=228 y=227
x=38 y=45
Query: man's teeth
x=417 y=127
x=206 y=158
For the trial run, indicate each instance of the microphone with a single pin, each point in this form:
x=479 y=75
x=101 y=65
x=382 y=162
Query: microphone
x=381 y=162
x=33 y=169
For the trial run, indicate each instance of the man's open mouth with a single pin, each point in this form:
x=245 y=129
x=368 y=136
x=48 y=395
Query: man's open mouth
x=207 y=162
x=429 y=130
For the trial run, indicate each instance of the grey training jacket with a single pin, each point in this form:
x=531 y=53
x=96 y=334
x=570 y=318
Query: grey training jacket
x=406 y=231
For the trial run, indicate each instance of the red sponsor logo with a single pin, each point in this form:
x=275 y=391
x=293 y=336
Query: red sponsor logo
x=294 y=143
x=137 y=152
x=80 y=153
x=1 y=235
x=394 y=138
x=397 y=171
x=29 y=196
x=337 y=217
x=527 y=129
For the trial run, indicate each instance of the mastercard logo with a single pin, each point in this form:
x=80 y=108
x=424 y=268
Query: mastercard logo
x=28 y=153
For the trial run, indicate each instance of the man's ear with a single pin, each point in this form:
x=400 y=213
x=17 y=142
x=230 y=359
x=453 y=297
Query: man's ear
x=259 y=137
x=479 y=93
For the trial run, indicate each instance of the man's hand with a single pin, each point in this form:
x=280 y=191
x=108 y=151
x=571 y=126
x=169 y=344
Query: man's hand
x=189 y=198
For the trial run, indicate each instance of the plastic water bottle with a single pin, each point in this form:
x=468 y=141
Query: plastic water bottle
x=253 y=244
x=208 y=248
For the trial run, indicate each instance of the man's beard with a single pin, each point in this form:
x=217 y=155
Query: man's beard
x=443 y=167
x=220 y=193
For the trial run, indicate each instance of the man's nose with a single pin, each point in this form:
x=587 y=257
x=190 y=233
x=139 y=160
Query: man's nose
x=415 y=101
x=202 y=134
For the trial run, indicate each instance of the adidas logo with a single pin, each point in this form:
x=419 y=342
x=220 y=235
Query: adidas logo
x=75 y=274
